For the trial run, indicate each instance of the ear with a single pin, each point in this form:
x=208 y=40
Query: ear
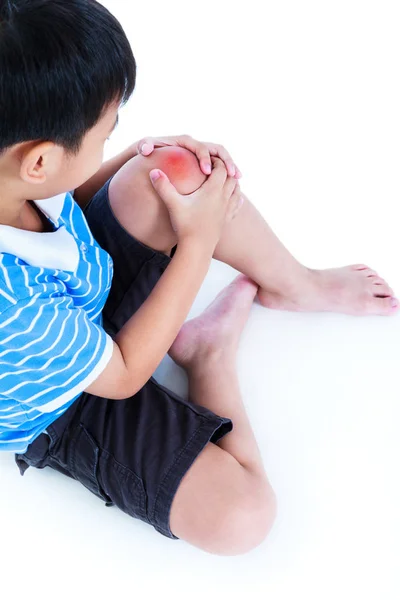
x=39 y=162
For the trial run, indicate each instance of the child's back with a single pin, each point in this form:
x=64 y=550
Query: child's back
x=64 y=70
x=53 y=287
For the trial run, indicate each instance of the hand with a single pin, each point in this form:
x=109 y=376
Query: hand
x=203 y=151
x=202 y=214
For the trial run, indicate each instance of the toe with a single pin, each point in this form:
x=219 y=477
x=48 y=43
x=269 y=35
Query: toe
x=382 y=290
x=382 y=306
x=365 y=271
x=378 y=287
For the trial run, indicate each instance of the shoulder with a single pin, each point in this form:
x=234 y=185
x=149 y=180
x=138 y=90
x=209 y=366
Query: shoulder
x=8 y=297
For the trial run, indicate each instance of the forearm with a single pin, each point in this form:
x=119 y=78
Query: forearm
x=88 y=189
x=148 y=335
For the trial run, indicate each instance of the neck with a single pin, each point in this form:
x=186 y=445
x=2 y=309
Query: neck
x=12 y=204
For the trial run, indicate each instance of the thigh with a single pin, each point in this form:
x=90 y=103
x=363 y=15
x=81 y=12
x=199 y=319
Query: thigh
x=124 y=214
x=137 y=207
x=136 y=266
x=222 y=507
x=209 y=495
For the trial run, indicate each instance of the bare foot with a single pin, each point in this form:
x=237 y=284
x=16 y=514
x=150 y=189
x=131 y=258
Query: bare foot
x=354 y=290
x=217 y=330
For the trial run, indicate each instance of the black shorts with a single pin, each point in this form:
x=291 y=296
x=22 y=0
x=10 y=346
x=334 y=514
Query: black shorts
x=131 y=453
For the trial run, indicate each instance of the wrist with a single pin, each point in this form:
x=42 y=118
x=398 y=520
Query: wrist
x=196 y=246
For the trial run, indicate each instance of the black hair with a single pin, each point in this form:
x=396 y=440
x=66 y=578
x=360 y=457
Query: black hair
x=62 y=64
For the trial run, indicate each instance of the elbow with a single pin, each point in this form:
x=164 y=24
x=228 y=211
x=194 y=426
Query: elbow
x=131 y=386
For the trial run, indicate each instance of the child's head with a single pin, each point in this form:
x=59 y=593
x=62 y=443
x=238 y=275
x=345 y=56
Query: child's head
x=66 y=66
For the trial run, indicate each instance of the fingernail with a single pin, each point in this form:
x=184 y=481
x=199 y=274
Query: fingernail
x=394 y=302
x=154 y=175
x=145 y=148
x=207 y=168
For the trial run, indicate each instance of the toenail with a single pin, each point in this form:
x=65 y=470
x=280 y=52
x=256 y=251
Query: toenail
x=394 y=302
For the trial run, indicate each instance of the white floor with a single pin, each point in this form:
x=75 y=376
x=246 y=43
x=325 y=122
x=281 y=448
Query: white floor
x=322 y=392
x=308 y=106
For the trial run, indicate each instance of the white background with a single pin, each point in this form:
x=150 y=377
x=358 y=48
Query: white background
x=305 y=96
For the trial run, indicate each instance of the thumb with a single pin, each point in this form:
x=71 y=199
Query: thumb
x=163 y=186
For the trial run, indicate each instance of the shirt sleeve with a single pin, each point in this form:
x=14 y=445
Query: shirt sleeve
x=50 y=352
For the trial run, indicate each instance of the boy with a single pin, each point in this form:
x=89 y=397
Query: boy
x=95 y=289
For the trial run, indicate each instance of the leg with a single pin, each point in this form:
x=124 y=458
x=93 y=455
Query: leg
x=247 y=243
x=152 y=453
x=224 y=504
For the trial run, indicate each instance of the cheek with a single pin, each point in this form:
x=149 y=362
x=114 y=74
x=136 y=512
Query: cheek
x=87 y=165
x=94 y=161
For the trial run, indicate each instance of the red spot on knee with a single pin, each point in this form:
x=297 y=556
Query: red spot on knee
x=181 y=166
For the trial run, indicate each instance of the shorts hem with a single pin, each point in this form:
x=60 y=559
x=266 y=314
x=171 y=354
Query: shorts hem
x=211 y=430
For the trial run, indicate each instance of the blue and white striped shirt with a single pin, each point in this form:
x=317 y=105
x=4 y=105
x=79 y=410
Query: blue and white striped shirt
x=53 y=287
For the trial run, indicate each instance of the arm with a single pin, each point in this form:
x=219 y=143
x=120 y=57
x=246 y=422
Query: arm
x=148 y=335
x=146 y=338
x=88 y=189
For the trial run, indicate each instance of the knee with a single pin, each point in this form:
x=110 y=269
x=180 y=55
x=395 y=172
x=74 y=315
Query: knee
x=246 y=523
x=136 y=204
x=179 y=164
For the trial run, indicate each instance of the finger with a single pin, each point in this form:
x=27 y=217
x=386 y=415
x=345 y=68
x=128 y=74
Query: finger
x=217 y=162
x=225 y=157
x=145 y=146
x=164 y=188
x=204 y=157
x=204 y=151
x=199 y=149
x=218 y=173
x=230 y=186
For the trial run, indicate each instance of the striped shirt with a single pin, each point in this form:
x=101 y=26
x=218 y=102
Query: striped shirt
x=53 y=287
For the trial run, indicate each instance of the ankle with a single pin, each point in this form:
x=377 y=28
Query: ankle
x=291 y=283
